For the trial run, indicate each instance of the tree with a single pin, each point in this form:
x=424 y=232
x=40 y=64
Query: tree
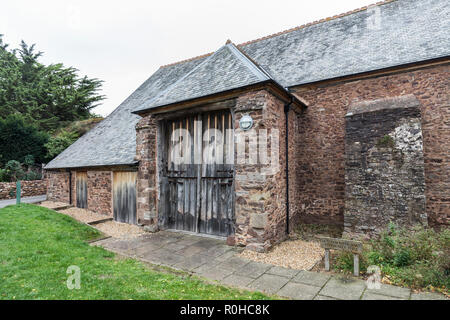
x=19 y=139
x=37 y=100
x=49 y=96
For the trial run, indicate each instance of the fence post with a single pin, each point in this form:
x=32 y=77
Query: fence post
x=18 y=191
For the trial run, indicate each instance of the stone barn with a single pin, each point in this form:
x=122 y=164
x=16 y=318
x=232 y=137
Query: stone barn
x=343 y=121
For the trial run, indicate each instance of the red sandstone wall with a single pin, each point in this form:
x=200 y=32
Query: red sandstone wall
x=99 y=185
x=320 y=157
x=58 y=186
x=260 y=206
x=28 y=189
x=146 y=153
x=99 y=189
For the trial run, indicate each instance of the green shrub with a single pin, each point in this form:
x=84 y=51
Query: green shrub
x=14 y=170
x=386 y=142
x=28 y=160
x=402 y=258
x=60 y=142
x=4 y=177
x=32 y=175
x=418 y=257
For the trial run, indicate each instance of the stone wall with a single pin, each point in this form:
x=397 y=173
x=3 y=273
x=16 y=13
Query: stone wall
x=260 y=196
x=99 y=186
x=58 y=186
x=147 y=195
x=28 y=189
x=260 y=205
x=321 y=148
x=384 y=176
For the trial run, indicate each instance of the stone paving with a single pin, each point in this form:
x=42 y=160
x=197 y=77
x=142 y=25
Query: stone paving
x=211 y=258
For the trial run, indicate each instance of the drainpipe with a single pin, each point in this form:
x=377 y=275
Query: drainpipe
x=287 y=107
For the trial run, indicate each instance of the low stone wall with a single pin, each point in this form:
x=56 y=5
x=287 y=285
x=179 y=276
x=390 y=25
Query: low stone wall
x=29 y=189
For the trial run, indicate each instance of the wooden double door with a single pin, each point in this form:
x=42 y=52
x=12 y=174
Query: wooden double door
x=197 y=174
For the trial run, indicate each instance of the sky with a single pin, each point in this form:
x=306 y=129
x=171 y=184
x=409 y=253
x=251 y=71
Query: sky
x=125 y=42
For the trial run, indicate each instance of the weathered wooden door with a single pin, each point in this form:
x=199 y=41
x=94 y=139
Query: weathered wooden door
x=124 y=196
x=197 y=177
x=81 y=188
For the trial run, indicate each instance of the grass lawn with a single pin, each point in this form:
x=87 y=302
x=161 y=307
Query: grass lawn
x=37 y=246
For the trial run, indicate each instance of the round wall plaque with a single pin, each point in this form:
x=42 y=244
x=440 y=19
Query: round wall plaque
x=246 y=122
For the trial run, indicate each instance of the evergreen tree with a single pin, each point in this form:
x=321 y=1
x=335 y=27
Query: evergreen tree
x=49 y=96
x=19 y=140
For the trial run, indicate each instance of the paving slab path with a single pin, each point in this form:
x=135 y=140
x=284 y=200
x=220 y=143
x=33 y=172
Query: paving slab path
x=34 y=199
x=211 y=258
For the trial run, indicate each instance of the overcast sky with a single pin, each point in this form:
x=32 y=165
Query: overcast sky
x=124 y=42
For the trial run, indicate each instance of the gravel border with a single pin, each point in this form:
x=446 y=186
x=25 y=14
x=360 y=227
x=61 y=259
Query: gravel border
x=120 y=230
x=83 y=215
x=292 y=254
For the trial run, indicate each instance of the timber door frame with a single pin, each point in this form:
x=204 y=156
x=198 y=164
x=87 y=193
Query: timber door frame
x=226 y=178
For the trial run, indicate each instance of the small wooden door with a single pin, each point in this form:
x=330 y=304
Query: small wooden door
x=81 y=180
x=197 y=193
x=124 y=196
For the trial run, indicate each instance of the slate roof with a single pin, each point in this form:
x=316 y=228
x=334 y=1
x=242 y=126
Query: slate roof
x=113 y=141
x=382 y=36
x=226 y=69
x=387 y=35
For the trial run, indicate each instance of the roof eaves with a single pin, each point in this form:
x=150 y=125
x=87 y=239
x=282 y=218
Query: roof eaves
x=243 y=88
x=91 y=165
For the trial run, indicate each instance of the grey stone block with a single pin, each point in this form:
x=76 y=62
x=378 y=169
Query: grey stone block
x=192 y=262
x=283 y=272
x=298 y=291
x=258 y=220
x=427 y=296
x=237 y=280
x=234 y=263
x=225 y=256
x=269 y=283
x=218 y=250
x=320 y=297
x=311 y=278
x=344 y=289
x=374 y=296
x=167 y=257
x=253 y=269
x=392 y=291
x=212 y=272
x=175 y=246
